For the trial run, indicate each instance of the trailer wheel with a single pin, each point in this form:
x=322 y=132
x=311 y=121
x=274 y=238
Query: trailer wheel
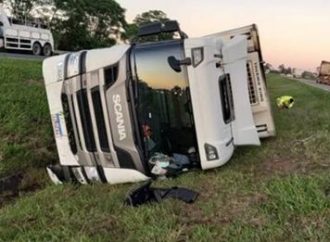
x=47 y=50
x=36 y=49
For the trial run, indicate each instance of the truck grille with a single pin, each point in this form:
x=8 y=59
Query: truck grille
x=86 y=120
x=69 y=125
x=84 y=106
x=100 y=121
x=251 y=84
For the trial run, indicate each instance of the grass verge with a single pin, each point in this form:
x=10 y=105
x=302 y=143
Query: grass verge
x=269 y=193
x=25 y=131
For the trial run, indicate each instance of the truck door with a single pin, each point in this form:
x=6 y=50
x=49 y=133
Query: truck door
x=259 y=98
x=234 y=53
x=213 y=129
x=224 y=65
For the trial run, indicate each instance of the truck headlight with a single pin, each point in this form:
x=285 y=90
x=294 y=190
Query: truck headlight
x=211 y=152
x=197 y=56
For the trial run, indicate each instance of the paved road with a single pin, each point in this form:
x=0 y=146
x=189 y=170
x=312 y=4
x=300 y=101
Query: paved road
x=20 y=56
x=314 y=84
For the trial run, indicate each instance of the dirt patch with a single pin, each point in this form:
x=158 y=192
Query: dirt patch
x=235 y=207
x=15 y=186
x=32 y=82
x=280 y=166
x=102 y=226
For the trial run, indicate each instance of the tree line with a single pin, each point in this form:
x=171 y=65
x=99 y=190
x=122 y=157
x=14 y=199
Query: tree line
x=83 y=24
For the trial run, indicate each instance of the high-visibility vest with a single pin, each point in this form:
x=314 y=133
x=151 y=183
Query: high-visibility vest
x=285 y=102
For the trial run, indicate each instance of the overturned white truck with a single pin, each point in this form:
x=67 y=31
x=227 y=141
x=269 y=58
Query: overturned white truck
x=205 y=95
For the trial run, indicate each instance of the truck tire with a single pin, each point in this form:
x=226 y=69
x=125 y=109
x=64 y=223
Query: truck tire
x=36 y=49
x=47 y=50
x=2 y=43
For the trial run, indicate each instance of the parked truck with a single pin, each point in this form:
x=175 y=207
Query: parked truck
x=113 y=108
x=324 y=73
x=32 y=37
x=297 y=73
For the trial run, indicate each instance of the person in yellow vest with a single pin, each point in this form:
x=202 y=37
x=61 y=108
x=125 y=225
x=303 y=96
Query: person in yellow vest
x=285 y=102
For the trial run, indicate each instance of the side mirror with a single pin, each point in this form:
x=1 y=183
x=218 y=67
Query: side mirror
x=1 y=24
x=176 y=64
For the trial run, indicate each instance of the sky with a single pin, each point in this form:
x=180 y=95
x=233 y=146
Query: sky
x=292 y=32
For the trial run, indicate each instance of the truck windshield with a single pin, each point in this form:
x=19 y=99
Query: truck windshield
x=163 y=107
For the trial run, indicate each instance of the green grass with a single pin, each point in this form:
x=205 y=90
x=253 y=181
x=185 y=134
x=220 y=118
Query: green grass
x=25 y=131
x=270 y=193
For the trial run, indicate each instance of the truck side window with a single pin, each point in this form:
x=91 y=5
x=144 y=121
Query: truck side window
x=226 y=96
x=163 y=105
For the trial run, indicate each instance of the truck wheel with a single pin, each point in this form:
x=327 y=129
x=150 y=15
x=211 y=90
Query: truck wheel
x=47 y=50
x=36 y=49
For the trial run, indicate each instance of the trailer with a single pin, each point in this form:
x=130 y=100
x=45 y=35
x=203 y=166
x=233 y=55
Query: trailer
x=114 y=109
x=324 y=73
x=32 y=37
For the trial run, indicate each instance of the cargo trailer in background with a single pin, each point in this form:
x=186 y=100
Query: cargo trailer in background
x=324 y=73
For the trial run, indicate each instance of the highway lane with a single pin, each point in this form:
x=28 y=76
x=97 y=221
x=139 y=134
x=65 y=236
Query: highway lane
x=21 y=56
x=313 y=84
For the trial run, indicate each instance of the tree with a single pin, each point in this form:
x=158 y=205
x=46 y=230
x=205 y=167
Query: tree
x=281 y=68
x=289 y=70
x=147 y=18
x=285 y=70
x=308 y=75
x=151 y=17
x=89 y=24
x=20 y=8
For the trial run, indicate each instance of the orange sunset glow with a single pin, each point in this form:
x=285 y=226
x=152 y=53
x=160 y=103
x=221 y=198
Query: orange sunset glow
x=295 y=33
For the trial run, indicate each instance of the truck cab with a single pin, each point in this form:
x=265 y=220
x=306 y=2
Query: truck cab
x=112 y=109
x=23 y=36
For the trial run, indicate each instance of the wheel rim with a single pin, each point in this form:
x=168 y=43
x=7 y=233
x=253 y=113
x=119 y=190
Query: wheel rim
x=36 y=49
x=47 y=50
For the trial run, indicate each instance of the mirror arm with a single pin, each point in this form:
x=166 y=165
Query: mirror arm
x=187 y=61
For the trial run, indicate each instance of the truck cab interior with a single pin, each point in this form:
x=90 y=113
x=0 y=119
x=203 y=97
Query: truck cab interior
x=163 y=102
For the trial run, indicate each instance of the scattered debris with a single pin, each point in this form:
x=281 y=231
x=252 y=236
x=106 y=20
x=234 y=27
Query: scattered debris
x=146 y=194
x=164 y=166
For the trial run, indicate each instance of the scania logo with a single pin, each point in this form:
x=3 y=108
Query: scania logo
x=119 y=117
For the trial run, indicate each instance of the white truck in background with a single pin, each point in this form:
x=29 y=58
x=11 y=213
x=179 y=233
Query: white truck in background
x=297 y=73
x=112 y=109
x=25 y=37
